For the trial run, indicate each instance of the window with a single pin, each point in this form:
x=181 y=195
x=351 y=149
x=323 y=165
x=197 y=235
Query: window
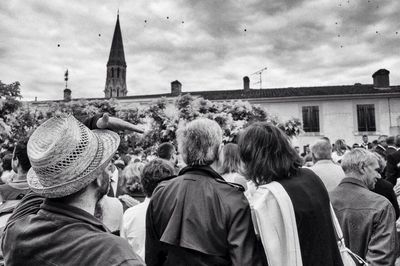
x=310 y=118
x=112 y=72
x=366 y=117
x=117 y=72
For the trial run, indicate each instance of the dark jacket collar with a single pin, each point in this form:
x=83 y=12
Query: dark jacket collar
x=355 y=181
x=73 y=213
x=206 y=170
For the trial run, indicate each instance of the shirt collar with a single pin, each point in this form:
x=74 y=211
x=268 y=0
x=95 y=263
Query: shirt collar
x=354 y=181
x=324 y=162
x=383 y=148
x=72 y=212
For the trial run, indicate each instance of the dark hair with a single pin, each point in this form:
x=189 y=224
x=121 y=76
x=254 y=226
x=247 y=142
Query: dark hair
x=397 y=142
x=165 y=151
x=267 y=153
x=21 y=154
x=231 y=159
x=153 y=173
x=390 y=140
x=7 y=162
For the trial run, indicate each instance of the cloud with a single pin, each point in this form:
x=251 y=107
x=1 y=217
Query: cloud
x=207 y=45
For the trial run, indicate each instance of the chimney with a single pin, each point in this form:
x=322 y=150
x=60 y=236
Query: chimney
x=381 y=79
x=67 y=95
x=246 y=83
x=176 y=88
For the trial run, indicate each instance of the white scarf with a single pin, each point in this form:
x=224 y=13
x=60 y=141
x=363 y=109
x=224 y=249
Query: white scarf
x=275 y=222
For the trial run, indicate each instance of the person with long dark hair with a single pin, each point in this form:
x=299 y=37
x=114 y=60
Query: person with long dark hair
x=268 y=156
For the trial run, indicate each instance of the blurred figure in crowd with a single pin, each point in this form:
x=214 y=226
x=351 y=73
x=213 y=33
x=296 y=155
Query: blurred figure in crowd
x=339 y=149
x=133 y=190
x=167 y=152
x=197 y=218
x=134 y=220
x=355 y=146
x=392 y=172
x=382 y=146
x=8 y=172
x=230 y=163
x=384 y=187
x=365 y=143
x=17 y=187
x=268 y=156
x=391 y=148
x=367 y=219
x=330 y=173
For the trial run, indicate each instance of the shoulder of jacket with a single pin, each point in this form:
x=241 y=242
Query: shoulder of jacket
x=232 y=185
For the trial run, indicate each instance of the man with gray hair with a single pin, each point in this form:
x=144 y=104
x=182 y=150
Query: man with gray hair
x=330 y=173
x=367 y=219
x=198 y=218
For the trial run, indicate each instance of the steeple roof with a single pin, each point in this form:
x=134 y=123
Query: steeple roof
x=117 y=55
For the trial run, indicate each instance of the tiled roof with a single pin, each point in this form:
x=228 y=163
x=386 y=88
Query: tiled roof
x=295 y=92
x=281 y=93
x=253 y=94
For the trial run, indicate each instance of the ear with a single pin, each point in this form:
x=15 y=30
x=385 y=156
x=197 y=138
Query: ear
x=99 y=180
x=220 y=149
x=361 y=168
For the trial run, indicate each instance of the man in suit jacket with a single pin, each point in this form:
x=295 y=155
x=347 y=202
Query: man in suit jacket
x=391 y=148
x=393 y=167
x=382 y=146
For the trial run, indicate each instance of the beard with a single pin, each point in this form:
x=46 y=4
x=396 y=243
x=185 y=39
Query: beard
x=100 y=193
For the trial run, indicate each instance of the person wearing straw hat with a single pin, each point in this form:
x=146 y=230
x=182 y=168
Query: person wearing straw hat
x=70 y=170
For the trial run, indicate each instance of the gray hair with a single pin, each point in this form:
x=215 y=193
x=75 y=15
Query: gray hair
x=353 y=160
x=198 y=141
x=321 y=150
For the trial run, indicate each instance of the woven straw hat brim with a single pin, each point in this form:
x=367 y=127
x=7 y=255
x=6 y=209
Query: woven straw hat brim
x=110 y=142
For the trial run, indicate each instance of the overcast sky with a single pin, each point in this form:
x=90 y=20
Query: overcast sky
x=206 y=45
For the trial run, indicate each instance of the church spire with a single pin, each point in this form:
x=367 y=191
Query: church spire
x=117 y=55
x=116 y=66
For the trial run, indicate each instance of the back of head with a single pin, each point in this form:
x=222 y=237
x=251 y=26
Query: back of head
x=397 y=141
x=7 y=162
x=198 y=141
x=20 y=153
x=267 y=153
x=382 y=140
x=326 y=139
x=321 y=150
x=132 y=172
x=230 y=160
x=355 y=159
x=153 y=173
x=390 y=140
x=340 y=146
x=165 y=151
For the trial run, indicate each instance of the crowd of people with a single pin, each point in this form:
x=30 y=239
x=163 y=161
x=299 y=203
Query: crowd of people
x=69 y=198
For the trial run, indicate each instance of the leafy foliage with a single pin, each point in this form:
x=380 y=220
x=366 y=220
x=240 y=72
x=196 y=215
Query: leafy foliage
x=160 y=118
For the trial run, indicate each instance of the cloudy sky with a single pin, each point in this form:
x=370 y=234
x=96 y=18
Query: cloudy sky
x=206 y=45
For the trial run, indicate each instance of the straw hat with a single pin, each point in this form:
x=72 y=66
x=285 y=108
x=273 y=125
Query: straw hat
x=64 y=154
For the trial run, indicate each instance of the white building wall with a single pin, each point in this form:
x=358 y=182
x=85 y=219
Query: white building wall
x=338 y=118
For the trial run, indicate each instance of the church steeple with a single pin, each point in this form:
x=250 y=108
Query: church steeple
x=116 y=66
